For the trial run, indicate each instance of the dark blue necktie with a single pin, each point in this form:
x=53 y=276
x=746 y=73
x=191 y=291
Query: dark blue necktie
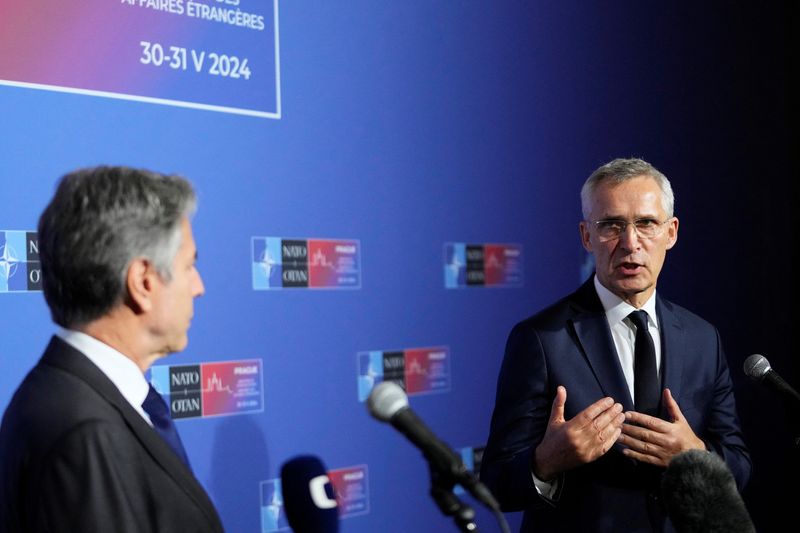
x=646 y=388
x=155 y=406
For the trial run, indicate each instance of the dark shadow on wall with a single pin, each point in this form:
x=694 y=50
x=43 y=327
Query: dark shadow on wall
x=240 y=462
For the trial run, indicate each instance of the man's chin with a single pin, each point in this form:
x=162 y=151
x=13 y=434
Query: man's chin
x=630 y=284
x=178 y=345
x=632 y=289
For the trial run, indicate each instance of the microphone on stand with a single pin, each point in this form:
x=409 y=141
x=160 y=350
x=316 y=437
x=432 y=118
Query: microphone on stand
x=388 y=403
x=757 y=367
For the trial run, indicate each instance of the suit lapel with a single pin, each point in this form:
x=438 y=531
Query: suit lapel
x=594 y=336
x=673 y=348
x=62 y=355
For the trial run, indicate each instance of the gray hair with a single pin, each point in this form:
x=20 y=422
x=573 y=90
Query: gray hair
x=620 y=170
x=99 y=220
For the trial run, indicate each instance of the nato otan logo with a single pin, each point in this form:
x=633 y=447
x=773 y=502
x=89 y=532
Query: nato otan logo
x=218 y=388
x=416 y=370
x=482 y=265
x=19 y=261
x=280 y=263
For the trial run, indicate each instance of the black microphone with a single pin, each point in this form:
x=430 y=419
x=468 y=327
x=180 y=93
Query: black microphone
x=700 y=495
x=388 y=403
x=308 y=496
x=757 y=367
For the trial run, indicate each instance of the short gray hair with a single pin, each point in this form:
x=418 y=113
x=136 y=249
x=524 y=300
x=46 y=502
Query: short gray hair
x=620 y=170
x=98 y=221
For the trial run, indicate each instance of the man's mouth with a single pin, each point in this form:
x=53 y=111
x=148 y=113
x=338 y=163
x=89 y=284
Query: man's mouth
x=630 y=269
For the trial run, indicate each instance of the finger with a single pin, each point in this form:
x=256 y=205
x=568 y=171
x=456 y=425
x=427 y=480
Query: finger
x=644 y=457
x=557 y=411
x=613 y=430
x=594 y=410
x=672 y=406
x=647 y=421
x=609 y=442
x=644 y=436
x=613 y=415
x=648 y=445
x=641 y=433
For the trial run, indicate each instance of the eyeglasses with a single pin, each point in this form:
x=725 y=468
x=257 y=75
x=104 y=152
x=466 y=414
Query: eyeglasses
x=611 y=228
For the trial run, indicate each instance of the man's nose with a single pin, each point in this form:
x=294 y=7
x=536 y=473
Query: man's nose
x=199 y=287
x=629 y=238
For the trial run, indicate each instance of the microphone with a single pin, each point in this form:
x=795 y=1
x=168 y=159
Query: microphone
x=757 y=367
x=388 y=403
x=700 y=495
x=308 y=496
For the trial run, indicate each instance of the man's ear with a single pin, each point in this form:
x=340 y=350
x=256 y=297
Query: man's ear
x=587 y=244
x=139 y=281
x=672 y=233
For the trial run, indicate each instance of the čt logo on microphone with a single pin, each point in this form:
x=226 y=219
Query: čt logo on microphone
x=325 y=496
x=316 y=488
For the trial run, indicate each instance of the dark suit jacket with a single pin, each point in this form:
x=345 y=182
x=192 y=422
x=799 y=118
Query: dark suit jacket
x=570 y=344
x=76 y=457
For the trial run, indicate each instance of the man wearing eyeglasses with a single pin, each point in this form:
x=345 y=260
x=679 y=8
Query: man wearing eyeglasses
x=600 y=390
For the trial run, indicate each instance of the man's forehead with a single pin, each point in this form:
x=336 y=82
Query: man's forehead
x=637 y=199
x=642 y=188
x=187 y=237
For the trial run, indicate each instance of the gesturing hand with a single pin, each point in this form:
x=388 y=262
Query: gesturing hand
x=584 y=438
x=651 y=440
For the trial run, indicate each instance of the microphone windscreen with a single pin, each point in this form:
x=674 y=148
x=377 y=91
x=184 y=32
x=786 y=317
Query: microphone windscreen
x=385 y=400
x=756 y=366
x=700 y=495
x=308 y=496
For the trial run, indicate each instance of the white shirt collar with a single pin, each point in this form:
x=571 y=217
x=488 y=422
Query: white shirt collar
x=617 y=310
x=121 y=370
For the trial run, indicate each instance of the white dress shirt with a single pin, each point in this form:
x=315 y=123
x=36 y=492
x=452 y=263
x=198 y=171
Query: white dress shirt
x=623 y=332
x=121 y=370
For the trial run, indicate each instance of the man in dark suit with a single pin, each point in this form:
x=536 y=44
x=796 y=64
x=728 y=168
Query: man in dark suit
x=593 y=399
x=85 y=444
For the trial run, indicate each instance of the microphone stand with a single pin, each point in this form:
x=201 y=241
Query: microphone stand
x=442 y=493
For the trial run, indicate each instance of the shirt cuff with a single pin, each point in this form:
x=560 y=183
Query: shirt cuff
x=549 y=490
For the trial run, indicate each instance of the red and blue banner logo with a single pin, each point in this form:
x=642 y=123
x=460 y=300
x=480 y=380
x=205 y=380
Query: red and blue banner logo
x=19 y=261
x=482 y=265
x=350 y=484
x=211 y=389
x=280 y=263
x=417 y=370
x=216 y=55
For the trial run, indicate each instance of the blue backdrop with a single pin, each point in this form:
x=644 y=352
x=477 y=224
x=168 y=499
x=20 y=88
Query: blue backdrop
x=405 y=126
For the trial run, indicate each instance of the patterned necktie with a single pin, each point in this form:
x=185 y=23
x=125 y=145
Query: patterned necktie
x=155 y=406
x=646 y=387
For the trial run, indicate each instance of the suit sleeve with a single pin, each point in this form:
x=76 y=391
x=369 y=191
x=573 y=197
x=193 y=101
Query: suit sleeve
x=84 y=485
x=522 y=410
x=723 y=432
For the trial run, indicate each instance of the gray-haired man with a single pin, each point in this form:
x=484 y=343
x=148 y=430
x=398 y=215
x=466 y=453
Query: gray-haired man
x=86 y=444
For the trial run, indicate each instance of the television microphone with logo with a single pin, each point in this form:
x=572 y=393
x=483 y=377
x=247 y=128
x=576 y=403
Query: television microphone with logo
x=308 y=496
